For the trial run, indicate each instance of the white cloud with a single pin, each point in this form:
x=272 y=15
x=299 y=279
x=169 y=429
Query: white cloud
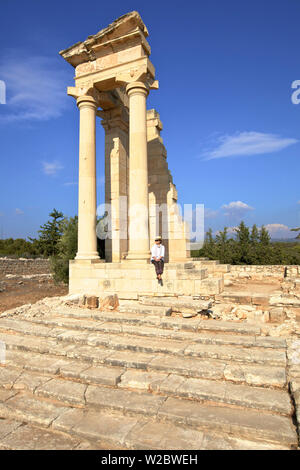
x=236 y=209
x=35 y=87
x=275 y=231
x=19 y=211
x=279 y=231
x=248 y=143
x=51 y=168
x=231 y=231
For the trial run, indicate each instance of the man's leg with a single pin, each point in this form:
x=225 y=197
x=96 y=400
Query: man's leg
x=160 y=266
x=156 y=266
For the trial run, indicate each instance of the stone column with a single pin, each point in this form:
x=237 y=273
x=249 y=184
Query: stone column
x=138 y=173
x=87 y=204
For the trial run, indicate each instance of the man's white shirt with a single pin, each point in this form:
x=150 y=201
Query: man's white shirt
x=157 y=251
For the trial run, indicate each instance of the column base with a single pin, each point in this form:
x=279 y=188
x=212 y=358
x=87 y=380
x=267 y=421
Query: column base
x=90 y=255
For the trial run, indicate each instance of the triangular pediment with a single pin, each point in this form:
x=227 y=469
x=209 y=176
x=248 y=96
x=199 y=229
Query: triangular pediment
x=120 y=28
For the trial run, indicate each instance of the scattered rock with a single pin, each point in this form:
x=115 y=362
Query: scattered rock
x=91 y=301
x=188 y=314
x=2 y=286
x=212 y=314
x=241 y=314
x=109 y=302
x=244 y=276
x=266 y=317
x=222 y=309
x=74 y=299
x=249 y=308
x=277 y=315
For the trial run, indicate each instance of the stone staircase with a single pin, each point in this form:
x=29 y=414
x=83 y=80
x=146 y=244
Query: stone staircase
x=141 y=378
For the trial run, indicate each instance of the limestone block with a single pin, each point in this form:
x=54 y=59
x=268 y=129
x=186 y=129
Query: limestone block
x=83 y=286
x=209 y=286
x=277 y=315
x=91 y=301
x=109 y=302
x=241 y=314
x=185 y=286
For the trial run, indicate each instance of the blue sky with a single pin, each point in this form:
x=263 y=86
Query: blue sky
x=225 y=71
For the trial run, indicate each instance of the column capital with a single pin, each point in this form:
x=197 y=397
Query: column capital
x=137 y=87
x=87 y=100
x=87 y=95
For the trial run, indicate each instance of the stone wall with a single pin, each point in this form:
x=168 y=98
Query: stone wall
x=262 y=272
x=24 y=266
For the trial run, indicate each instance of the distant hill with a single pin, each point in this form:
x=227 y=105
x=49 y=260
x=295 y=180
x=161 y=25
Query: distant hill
x=286 y=240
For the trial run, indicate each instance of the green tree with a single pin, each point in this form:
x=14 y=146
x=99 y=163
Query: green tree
x=243 y=244
x=209 y=246
x=264 y=236
x=50 y=234
x=267 y=253
x=254 y=236
x=296 y=230
x=223 y=247
x=66 y=249
x=254 y=245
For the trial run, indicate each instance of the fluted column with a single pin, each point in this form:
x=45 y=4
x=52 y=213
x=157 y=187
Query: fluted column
x=138 y=173
x=87 y=204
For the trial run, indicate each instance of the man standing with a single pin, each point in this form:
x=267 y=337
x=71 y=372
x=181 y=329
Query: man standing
x=157 y=257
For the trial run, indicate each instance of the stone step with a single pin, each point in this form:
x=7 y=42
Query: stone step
x=276 y=401
x=134 y=307
x=190 y=324
x=255 y=355
x=244 y=298
x=176 y=304
x=123 y=428
x=15 y=435
x=154 y=381
x=46 y=327
x=109 y=367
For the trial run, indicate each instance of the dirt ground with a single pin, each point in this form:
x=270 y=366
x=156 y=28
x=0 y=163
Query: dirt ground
x=19 y=291
x=254 y=287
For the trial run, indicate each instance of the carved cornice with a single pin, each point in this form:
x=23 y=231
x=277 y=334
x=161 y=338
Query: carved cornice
x=127 y=29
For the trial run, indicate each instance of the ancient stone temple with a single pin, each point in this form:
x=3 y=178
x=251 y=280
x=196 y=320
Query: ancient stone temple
x=113 y=77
